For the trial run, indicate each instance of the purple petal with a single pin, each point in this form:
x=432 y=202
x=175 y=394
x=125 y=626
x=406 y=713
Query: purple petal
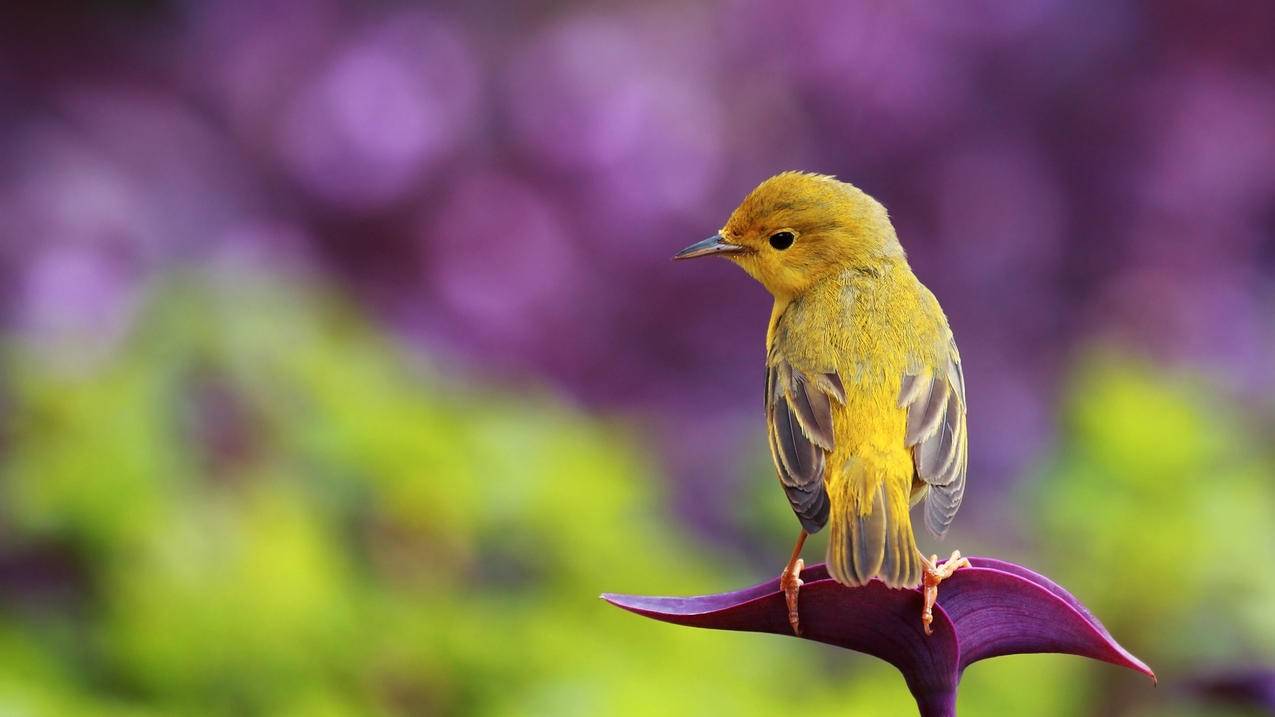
x=872 y=619
x=1043 y=582
x=993 y=608
x=1014 y=611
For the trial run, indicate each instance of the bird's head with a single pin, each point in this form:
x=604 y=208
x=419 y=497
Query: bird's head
x=797 y=228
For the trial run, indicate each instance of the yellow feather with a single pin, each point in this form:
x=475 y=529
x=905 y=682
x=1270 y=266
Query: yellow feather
x=847 y=303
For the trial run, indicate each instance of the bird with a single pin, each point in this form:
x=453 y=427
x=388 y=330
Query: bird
x=865 y=392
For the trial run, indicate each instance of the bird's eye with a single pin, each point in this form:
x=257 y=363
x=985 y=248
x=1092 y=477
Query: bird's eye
x=782 y=240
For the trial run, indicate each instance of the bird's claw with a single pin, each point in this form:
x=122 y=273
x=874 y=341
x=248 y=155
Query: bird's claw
x=935 y=574
x=790 y=582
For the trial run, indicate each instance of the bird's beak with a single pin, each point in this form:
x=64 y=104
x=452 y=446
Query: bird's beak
x=712 y=245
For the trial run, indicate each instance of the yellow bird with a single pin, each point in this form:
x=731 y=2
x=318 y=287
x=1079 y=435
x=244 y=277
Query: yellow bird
x=865 y=396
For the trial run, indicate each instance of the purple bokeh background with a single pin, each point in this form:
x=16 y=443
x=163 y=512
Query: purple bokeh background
x=503 y=186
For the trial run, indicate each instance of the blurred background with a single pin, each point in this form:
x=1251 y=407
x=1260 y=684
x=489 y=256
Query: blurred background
x=343 y=363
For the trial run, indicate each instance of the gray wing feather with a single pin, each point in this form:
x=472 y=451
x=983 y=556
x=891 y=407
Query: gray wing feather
x=923 y=419
x=935 y=402
x=814 y=410
x=799 y=426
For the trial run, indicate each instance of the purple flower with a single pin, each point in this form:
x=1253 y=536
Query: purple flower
x=625 y=106
x=468 y=250
x=882 y=72
x=990 y=609
x=1253 y=688
x=390 y=104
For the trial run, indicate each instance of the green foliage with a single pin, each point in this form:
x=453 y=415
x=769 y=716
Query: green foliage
x=258 y=505
x=1159 y=513
x=270 y=510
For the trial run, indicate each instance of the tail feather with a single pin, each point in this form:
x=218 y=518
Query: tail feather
x=867 y=544
x=871 y=536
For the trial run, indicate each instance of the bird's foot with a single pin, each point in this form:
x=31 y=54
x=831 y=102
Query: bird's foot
x=935 y=574
x=790 y=582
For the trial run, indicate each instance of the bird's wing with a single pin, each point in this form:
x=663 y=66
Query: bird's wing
x=935 y=404
x=799 y=424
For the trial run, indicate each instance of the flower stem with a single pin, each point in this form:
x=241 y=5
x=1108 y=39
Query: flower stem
x=936 y=703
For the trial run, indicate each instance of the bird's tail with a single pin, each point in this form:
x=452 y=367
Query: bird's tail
x=871 y=532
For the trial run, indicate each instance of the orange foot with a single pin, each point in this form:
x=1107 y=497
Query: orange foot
x=934 y=574
x=790 y=583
